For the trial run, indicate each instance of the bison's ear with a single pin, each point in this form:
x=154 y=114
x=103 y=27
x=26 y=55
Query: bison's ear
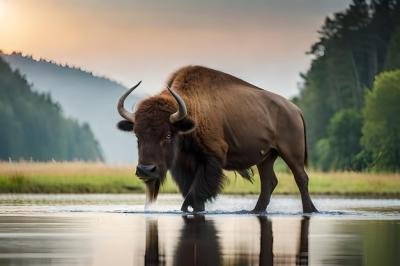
x=185 y=125
x=125 y=125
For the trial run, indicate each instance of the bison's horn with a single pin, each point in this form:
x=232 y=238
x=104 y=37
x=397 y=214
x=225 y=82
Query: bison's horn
x=121 y=109
x=182 y=111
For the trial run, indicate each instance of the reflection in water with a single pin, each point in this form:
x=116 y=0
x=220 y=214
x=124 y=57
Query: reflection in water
x=137 y=239
x=153 y=256
x=266 y=241
x=302 y=257
x=31 y=240
x=198 y=244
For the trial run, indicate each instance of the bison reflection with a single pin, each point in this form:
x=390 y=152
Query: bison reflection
x=208 y=121
x=199 y=244
x=153 y=255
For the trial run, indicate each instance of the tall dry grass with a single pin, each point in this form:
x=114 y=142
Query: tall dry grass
x=80 y=177
x=57 y=169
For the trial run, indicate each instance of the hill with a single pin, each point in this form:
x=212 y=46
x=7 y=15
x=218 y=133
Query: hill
x=83 y=96
x=33 y=126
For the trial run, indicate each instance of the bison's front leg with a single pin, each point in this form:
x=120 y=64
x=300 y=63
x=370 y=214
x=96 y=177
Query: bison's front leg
x=197 y=205
x=185 y=205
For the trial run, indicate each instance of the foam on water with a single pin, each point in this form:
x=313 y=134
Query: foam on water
x=168 y=204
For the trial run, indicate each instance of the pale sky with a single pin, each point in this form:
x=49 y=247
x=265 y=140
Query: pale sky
x=261 y=41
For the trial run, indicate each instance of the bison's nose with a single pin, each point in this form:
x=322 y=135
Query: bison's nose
x=144 y=171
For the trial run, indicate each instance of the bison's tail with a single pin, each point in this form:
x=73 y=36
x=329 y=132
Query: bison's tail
x=305 y=141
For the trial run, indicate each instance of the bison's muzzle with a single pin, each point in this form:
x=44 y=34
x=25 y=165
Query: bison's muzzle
x=151 y=176
x=147 y=172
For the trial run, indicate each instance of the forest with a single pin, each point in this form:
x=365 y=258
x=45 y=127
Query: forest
x=350 y=95
x=33 y=127
x=83 y=95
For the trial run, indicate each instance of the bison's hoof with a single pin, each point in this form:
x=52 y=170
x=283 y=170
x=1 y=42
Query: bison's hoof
x=258 y=211
x=311 y=210
x=198 y=210
x=198 y=207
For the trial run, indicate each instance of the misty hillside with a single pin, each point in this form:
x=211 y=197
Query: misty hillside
x=33 y=126
x=82 y=96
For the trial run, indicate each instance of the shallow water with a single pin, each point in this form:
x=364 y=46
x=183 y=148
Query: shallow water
x=117 y=230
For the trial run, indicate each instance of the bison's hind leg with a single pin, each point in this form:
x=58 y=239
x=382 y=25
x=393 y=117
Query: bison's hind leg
x=294 y=158
x=301 y=179
x=268 y=181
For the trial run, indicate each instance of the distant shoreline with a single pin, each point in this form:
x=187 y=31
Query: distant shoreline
x=89 y=178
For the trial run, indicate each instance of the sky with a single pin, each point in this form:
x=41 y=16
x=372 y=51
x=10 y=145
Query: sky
x=261 y=41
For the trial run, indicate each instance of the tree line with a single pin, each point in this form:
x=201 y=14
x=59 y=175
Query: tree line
x=84 y=96
x=34 y=127
x=350 y=95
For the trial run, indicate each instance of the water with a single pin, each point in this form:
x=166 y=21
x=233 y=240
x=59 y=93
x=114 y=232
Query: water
x=116 y=230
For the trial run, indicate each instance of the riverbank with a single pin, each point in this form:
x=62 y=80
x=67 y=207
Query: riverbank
x=80 y=177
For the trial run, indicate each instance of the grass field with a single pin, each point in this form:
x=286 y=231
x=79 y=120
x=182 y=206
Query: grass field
x=100 y=178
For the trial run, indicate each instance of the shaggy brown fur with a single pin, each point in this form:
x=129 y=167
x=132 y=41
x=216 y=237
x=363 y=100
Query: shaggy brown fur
x=237 y=125
x=204 y=93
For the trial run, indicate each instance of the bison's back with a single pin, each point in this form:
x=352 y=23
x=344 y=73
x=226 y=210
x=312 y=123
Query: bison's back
x=199 y=79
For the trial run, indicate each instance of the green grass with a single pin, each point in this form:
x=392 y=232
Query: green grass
x=100 y=178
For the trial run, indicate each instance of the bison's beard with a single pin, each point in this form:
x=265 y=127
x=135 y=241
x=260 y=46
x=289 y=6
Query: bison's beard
x=152 y=188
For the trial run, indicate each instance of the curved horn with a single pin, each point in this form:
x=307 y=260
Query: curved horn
x=182 y=111
x=121 y=109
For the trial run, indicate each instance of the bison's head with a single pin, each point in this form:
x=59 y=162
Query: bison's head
x=157 y=125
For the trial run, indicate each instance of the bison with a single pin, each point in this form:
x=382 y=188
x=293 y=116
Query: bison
x=206 y=121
